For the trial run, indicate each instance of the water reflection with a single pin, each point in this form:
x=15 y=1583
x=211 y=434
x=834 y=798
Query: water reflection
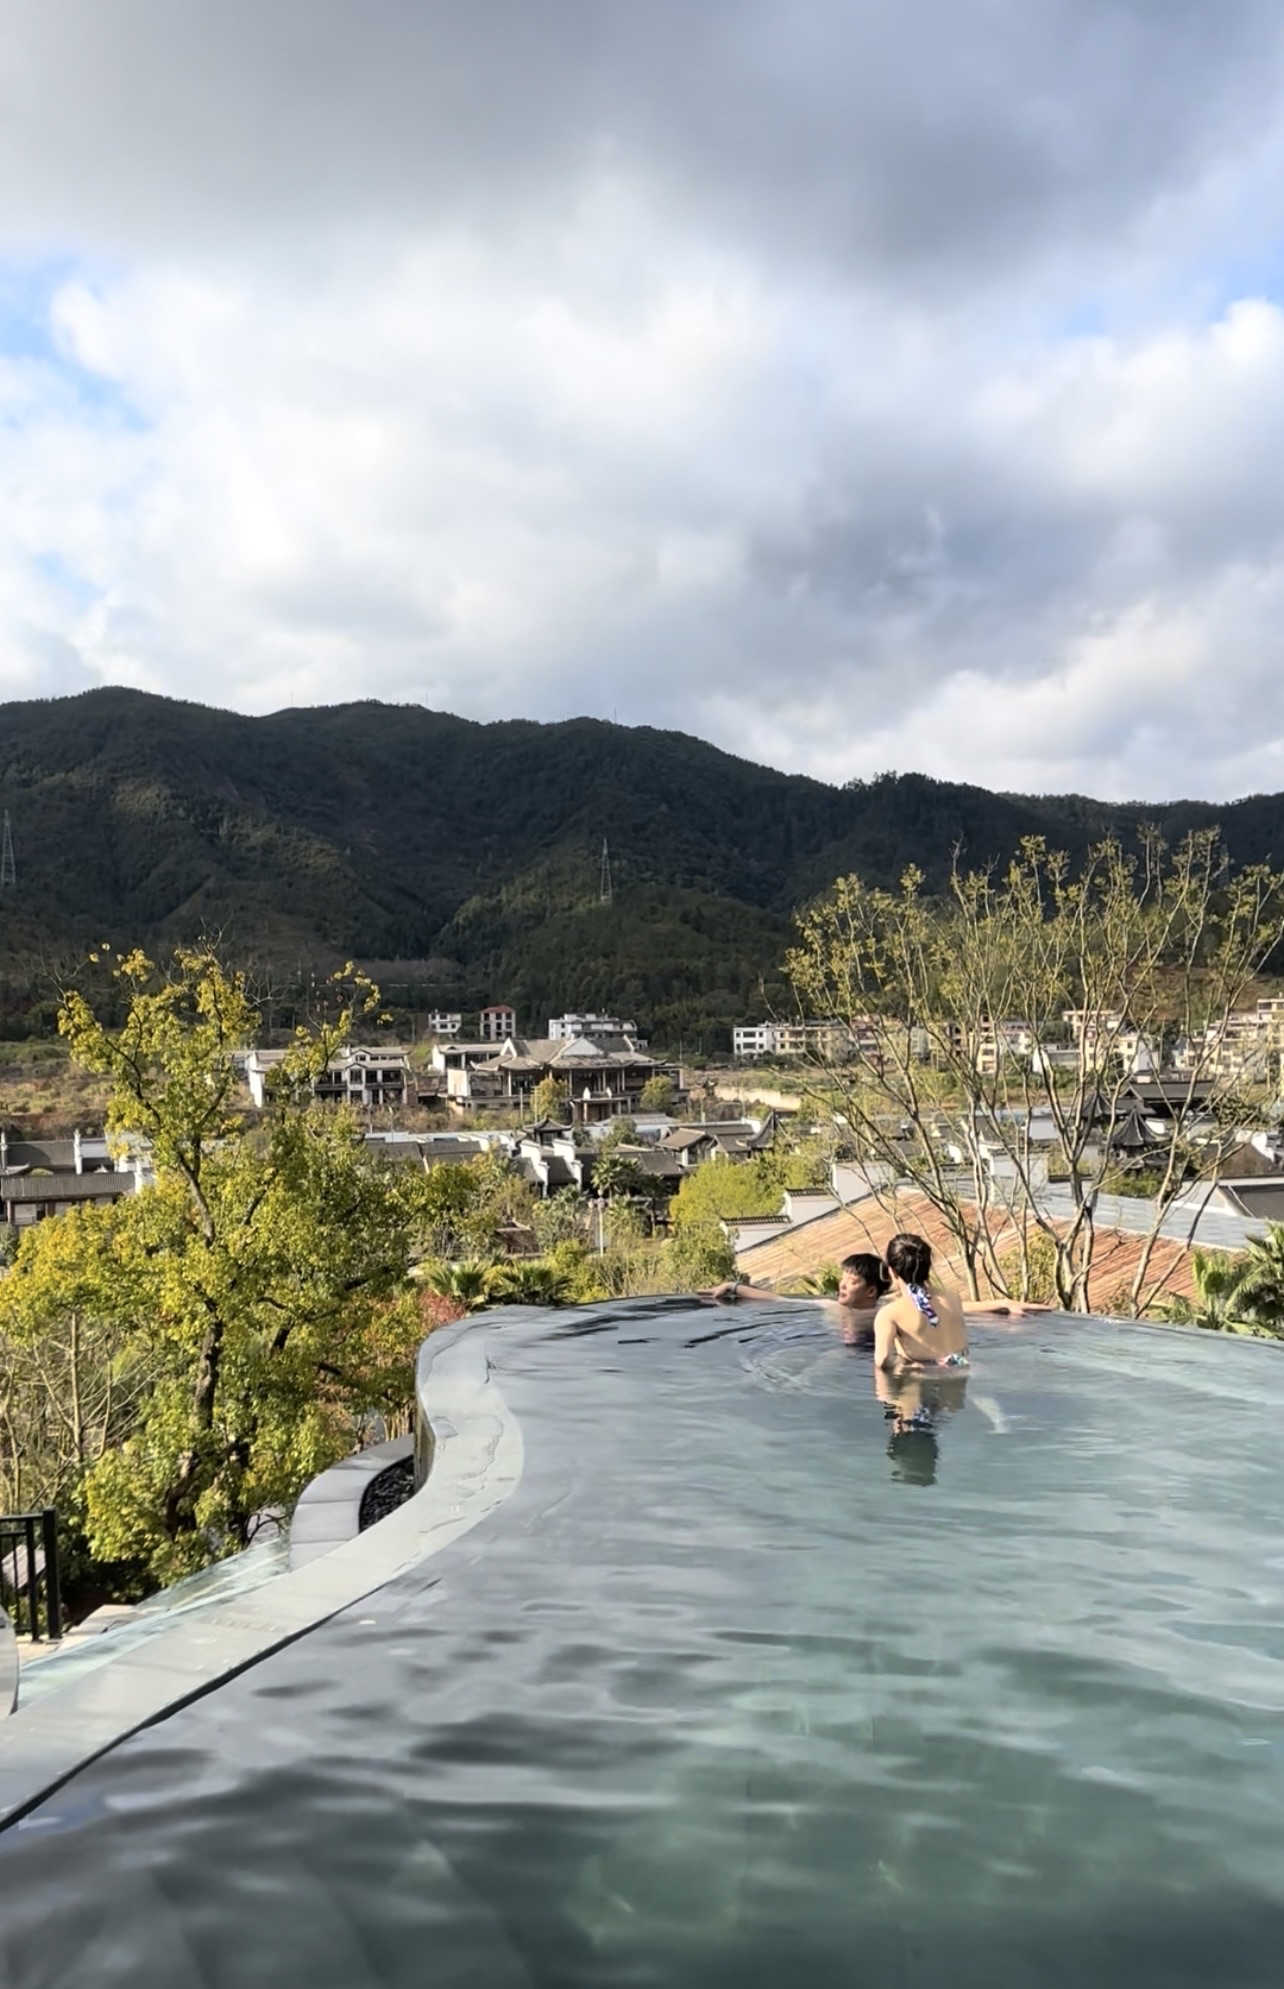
x=916 y=1404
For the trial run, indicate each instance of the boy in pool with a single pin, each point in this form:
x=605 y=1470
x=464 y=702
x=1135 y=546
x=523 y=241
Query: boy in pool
x=862 y=1284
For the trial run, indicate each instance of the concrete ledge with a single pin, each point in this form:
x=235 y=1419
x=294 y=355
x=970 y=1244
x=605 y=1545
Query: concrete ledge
x=329 y=1509
x=474 y=1448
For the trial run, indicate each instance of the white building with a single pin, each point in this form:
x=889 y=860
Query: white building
x=354 y=1076
x=827 y=1039
x=1242 y=1044
x=564 y=1028
x=442 y=1024
x=1105 y=1034
x=498 y=1023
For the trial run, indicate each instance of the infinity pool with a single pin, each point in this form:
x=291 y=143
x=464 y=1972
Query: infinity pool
x=747 y=1684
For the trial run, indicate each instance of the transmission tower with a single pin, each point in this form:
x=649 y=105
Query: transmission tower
x=8 y=872
x=606 y=871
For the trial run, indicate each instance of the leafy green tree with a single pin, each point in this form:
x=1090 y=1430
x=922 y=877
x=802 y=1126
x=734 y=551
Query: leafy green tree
x=73 y=1375
x=658 y=1094
x=581 y=1269
x=448 y=1201
x=721 y=1190
x=697 y=1255
x=499 y=1198
x=562 y=1217
x=616 y=1172
x=263 y=1276
x=551 y=1099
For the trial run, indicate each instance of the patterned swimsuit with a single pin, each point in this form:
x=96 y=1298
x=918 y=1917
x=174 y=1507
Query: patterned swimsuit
x=924 y=1303
x=922 y=1419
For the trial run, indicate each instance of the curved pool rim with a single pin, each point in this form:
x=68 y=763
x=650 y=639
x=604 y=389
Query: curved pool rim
x=471 y=1457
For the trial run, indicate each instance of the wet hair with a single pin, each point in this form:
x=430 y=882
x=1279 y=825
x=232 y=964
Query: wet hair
x=910 y=1258
x=870 y=1270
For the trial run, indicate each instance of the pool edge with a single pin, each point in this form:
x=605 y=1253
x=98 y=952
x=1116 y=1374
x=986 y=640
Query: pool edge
x=476 y=1461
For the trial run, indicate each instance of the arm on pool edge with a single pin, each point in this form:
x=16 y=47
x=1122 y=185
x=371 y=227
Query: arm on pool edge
x=1002 y=1308
x=731 y=1290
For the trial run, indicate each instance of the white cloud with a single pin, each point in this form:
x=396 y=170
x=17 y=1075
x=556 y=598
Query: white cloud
x=850 y=392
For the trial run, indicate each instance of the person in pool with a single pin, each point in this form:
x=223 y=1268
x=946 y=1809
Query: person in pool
x=863 y=1284
x=924 y=1325
x=863 y=1287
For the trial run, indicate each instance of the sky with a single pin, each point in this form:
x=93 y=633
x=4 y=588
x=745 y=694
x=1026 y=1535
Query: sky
x=860 y=387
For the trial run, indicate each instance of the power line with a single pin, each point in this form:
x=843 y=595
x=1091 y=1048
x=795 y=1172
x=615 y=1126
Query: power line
x=8 y=869
x=605 y=892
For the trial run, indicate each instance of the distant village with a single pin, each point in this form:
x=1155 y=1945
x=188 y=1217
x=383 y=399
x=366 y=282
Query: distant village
x=457 y=1097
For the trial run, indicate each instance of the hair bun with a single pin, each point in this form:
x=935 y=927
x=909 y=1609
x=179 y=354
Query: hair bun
x=910 y=1257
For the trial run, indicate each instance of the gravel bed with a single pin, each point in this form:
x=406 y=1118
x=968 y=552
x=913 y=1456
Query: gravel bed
x=390 y=1489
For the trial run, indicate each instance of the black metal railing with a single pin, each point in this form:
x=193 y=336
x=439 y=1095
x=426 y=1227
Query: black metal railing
x=29 y=1572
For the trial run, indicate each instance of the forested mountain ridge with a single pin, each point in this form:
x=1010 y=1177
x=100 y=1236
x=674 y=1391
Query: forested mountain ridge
x=394 y=833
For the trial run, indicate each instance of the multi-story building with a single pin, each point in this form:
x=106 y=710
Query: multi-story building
x=1238 y=1046
x=829 y=1040
x=564 y=1028
x=996 y=1043
x=1105 y=1034
x=1270 y=1012
x=443 y=1024
x=498 y=1023
x=602 y=1080
x=357 y=1076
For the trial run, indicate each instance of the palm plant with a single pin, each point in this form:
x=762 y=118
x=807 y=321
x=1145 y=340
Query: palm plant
x=1221 y=1303
x=468 y=1282
x=529 y=1282
x=1259 y=1289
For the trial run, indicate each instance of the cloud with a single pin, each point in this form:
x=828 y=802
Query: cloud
x=856 y=387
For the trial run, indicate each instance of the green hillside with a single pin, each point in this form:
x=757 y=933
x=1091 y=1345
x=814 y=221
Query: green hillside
x=401 y=835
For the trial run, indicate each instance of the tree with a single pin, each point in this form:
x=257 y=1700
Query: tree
x=561 y=1217
x=1214 y=1307
x=467 y=1283
x=72 y=1375
x=721 y=1190
x=699 y=1255
x=551 y=1099
x=531 y=1281
x=658 y=1094
x=1257 y=1294
x=616 y=1172
x=1146 y=952
x=263 y=1276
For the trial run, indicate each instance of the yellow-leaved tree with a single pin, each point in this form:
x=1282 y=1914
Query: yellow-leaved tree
x=258 y=1283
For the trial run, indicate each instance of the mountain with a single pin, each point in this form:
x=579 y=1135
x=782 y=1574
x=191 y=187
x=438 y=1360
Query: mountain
x=404 y=836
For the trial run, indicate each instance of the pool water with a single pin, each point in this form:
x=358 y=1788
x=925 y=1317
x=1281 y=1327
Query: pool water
x=748 y=1682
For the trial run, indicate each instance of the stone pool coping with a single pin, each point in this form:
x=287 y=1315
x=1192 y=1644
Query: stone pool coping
x=329 y=1509
x=471 y=1448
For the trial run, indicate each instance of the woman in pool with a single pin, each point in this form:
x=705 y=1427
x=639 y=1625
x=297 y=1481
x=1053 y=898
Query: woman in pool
x=924 y=1325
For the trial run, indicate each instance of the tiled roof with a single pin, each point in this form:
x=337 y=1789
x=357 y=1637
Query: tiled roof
x=96 y=1187
x=1245 y=1162
x=1260 y=1200
x=651 y=1160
